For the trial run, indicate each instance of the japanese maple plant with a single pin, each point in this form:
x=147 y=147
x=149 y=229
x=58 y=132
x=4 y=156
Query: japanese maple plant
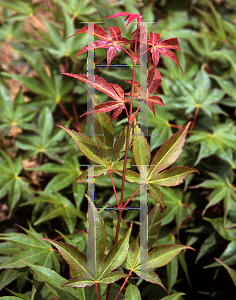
x=112 y=157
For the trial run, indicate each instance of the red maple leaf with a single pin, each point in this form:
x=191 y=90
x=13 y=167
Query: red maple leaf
x=153 y=82
x=130 y=17
x=111 y=89
x=163 y=48
x=107 y=41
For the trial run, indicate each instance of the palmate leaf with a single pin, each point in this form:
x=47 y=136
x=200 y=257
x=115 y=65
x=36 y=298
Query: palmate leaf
x=58 y=206
x=223 y=190
x=14 y=113
x=105 y=154
x=107 y=41
x=98 y=269
x=175 y=208
x=50 y=88
x=23 y=8
x=200 y=95
x=11 y=183
x=54 y=282
x=67 y=172
x=164 y=157
x=55 y=41
x=157 y=257
x=112 y=90
x=130 y=17
x=80 y=9
x=220 y=142
x=31 y=249
x=226 y=232
x=163 y=48
x=46 y=141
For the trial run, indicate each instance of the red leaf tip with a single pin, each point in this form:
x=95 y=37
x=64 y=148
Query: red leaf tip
x=130 y=17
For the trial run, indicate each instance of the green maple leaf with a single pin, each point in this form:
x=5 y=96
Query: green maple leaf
x=45 y=142
x=107 y=155
x=54 y=282
x=12 y=184
x=200 y=95
x=67 y=171
x=58 y=206
x=99 y=268
x=158 y=256
x=28 y=247
x=223 y=189
x=14 y=113
x=164 y=157
x=50 y=89
x=220 y=142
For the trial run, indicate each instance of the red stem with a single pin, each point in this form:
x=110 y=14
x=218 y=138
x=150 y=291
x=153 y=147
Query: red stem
x=127 y=52
x=117 y=201
x=144 y=52
x=96 y=285
x=137 y=109
x=130 y=272
x=75 y=115
x=194 y=118
x=65 y=112
x=174 y=126
x=132 y=196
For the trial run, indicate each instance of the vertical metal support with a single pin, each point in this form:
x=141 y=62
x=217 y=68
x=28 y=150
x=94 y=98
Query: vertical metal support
x=143 y=225
x=91 y=224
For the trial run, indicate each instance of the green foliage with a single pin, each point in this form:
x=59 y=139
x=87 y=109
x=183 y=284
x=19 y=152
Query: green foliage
x=43 y=175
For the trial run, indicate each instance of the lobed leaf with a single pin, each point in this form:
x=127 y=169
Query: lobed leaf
x=169 y=152
x=74 y=257
x=85 y=144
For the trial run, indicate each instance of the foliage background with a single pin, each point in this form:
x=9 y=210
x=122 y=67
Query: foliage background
x=39 y=162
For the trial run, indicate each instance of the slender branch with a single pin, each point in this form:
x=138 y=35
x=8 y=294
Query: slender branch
x=114 y=188
x=40 y=158
x=75 y=115
x=144 y=52
x=73 y=17
x=96 y=285
x=5 y=150
x=33 y=181
x=132 y=196
x=127 y=52
x=13 y=142
x=137 y=109
x=65 y=112
x=174 y=126
x=130 y=272
x=194 y=118
x=127 y=113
